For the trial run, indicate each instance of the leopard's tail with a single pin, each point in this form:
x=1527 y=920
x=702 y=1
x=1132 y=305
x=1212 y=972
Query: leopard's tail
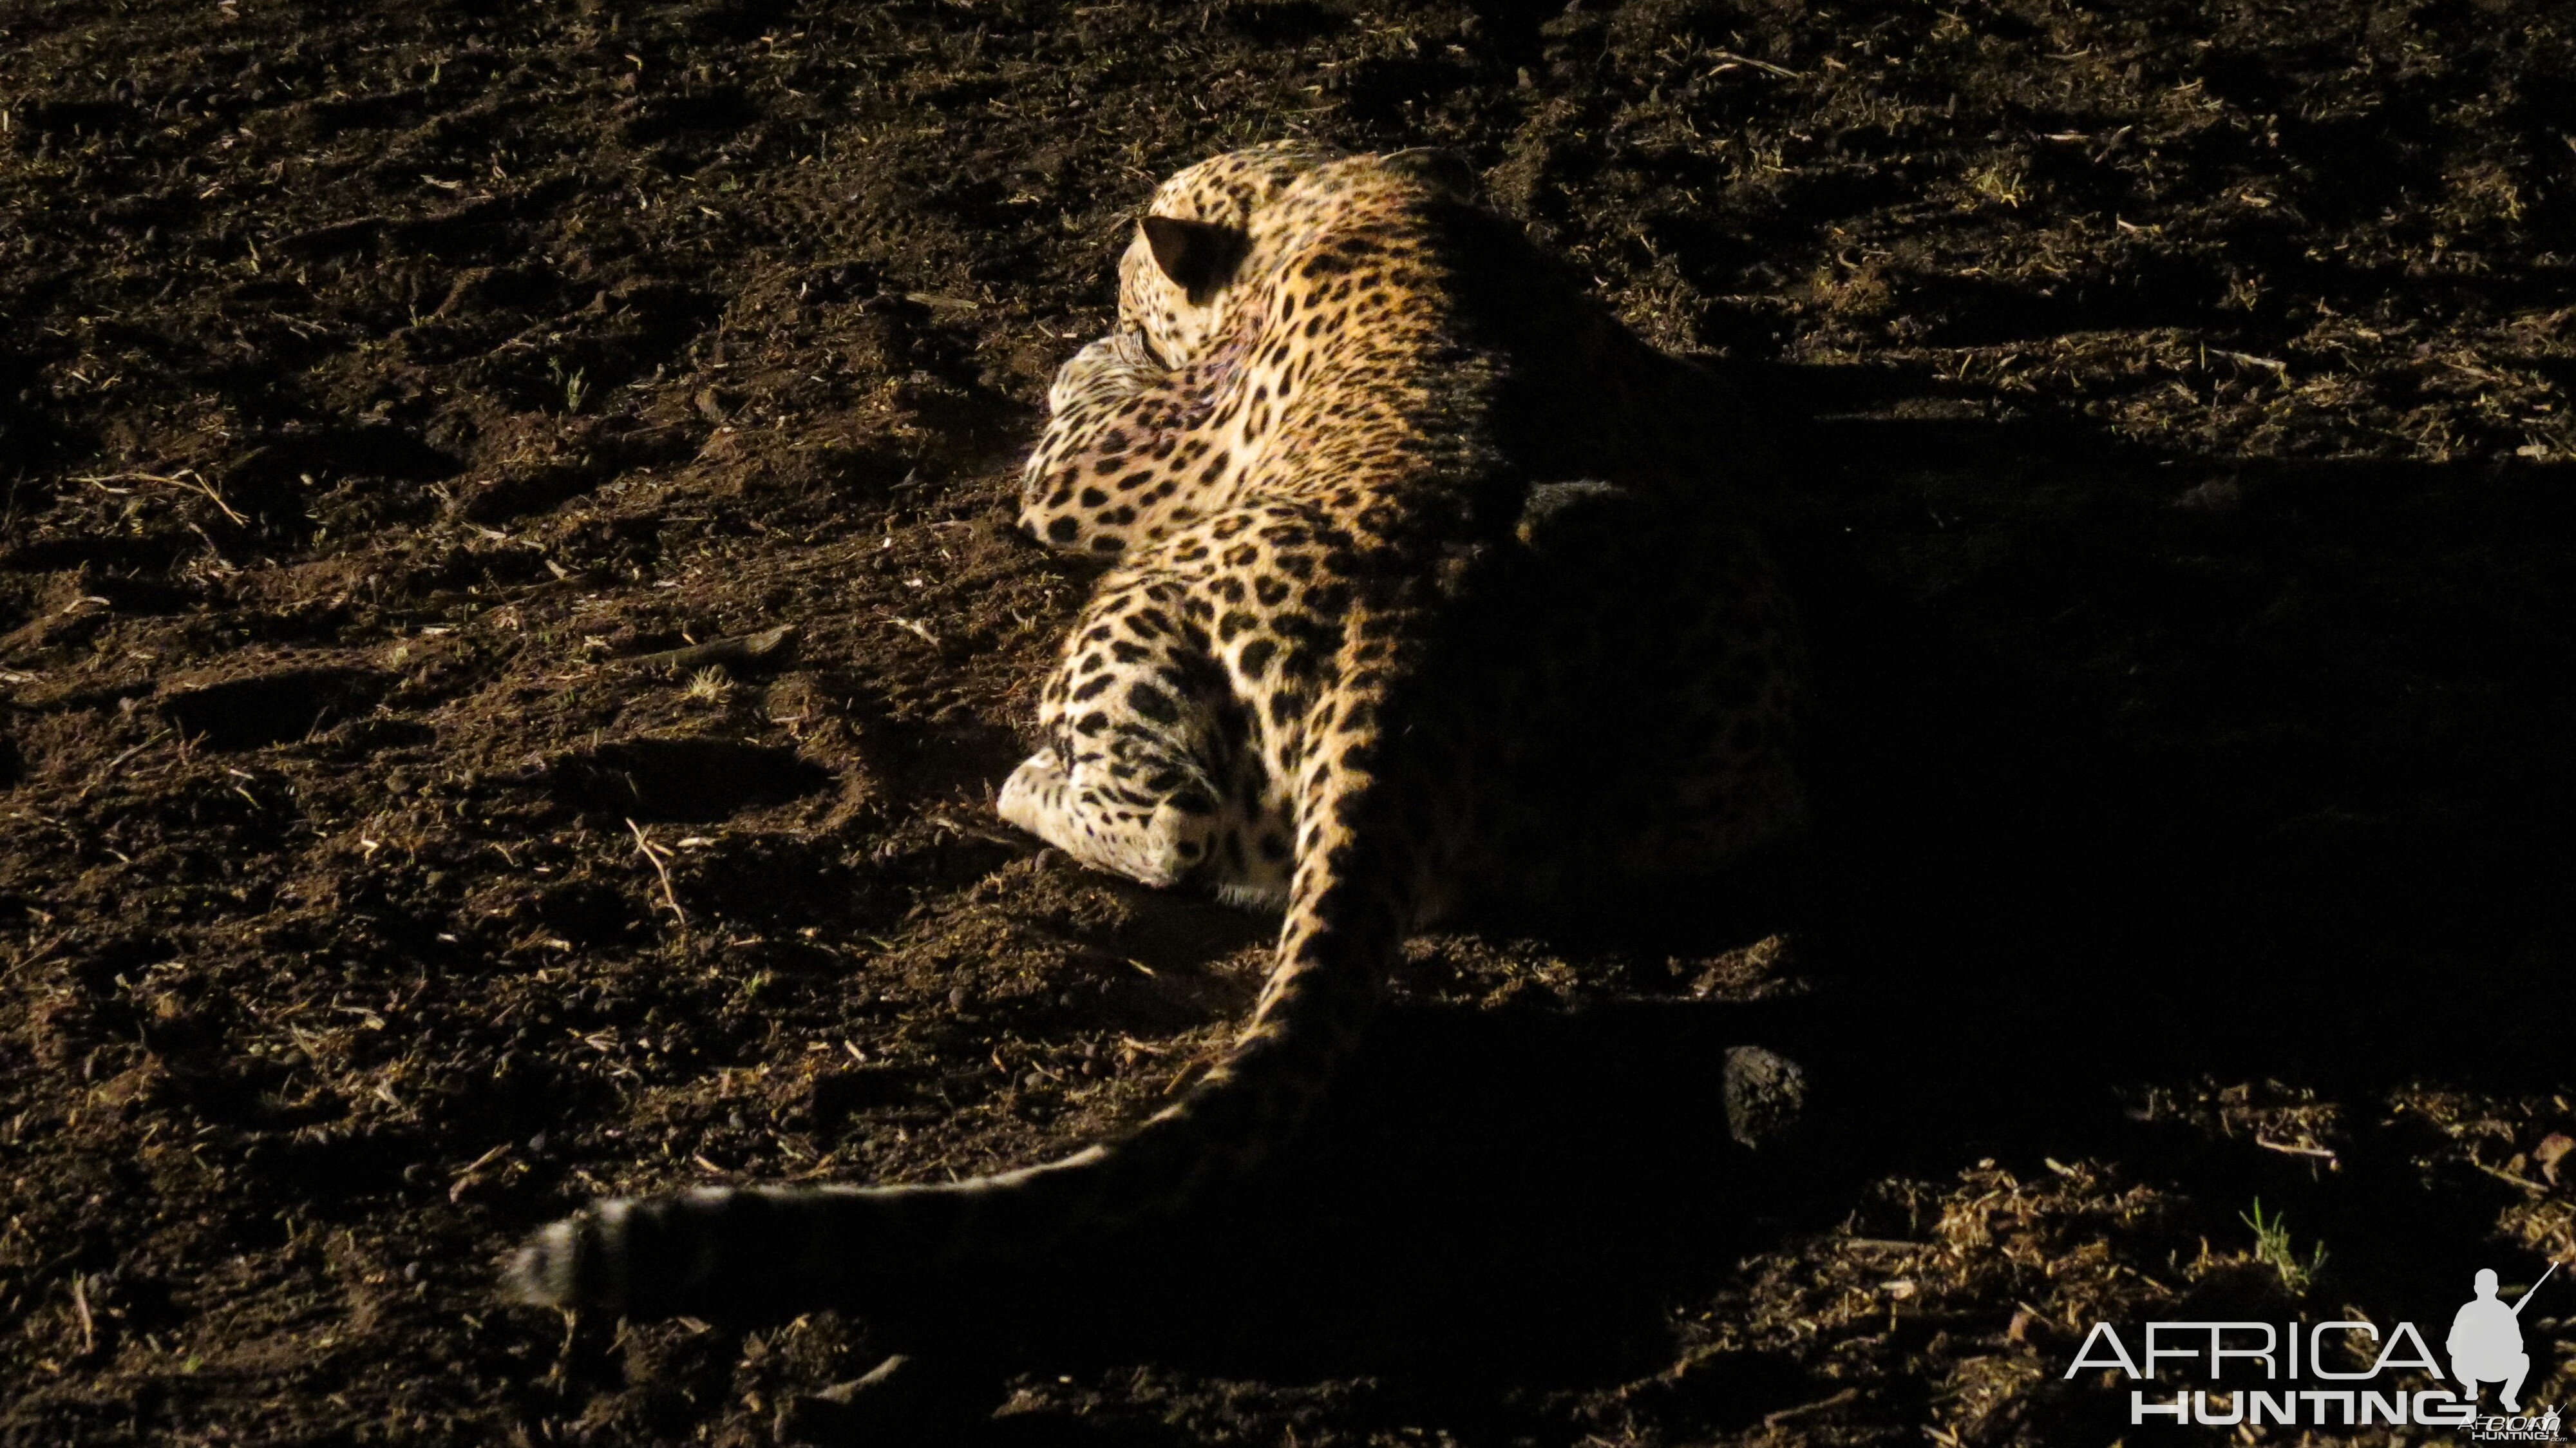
x=773 y=1251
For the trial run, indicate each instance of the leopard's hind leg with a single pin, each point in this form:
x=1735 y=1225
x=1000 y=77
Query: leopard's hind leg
x=1149 y=770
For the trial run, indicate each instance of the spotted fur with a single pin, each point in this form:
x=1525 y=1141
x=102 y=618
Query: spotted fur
x=1432 y=582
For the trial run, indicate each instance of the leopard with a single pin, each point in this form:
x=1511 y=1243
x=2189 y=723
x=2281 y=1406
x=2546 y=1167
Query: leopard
x=1428 y=584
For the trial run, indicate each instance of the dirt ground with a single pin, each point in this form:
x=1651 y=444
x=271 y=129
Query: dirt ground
x=2179 y=393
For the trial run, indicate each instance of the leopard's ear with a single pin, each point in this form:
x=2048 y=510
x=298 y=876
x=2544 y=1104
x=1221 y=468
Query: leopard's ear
x=1196 y=255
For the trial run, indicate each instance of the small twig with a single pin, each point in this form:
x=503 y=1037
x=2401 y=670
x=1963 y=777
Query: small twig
x=652 y=855
x=33 y=954
x=185 y=478
x=1785 y=1415
x=109 y=769
x=2500 y=1174
x=2268 y=1144
x=983 y=832
x=2151 y=1284
x=89 y=1324
x=745 y=649
x=2276 y=367
x=467 y=1177
x=1782 y=71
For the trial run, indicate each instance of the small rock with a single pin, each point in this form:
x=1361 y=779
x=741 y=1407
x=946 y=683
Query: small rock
x=1766 y=1095
x=2213 y=495
x=2552 y=1150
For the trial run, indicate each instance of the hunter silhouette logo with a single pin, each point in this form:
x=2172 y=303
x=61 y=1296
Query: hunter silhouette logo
x=2486 y=1341
x=2336 y=1374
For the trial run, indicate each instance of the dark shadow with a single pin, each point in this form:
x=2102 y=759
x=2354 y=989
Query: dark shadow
x=2140 y=769
x=680 y=779
x=271 y=708
x=2200 y=745
x=1495 y=1199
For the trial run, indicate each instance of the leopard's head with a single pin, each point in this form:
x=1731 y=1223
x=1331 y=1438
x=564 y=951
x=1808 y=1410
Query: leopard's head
x=1178 y=279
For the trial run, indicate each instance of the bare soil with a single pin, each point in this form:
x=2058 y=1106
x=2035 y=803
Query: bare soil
x=2179 y=400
